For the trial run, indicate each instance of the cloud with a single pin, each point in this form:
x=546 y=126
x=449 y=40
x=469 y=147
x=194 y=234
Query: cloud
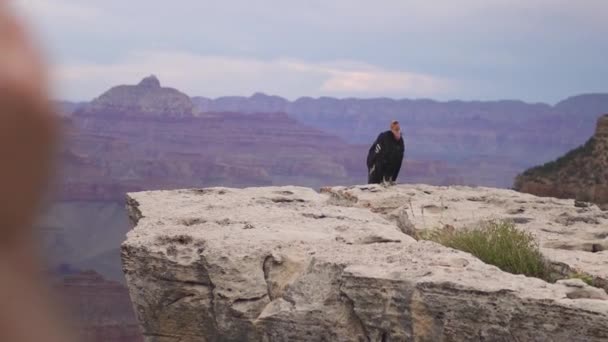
x=383 y=82
x=541 y=50
x=214 y=76
x=355 y=78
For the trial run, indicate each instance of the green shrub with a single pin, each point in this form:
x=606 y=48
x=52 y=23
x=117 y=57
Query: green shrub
x=499 y=244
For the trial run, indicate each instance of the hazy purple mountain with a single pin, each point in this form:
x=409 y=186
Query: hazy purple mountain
x=493 y=139
x=583 y=110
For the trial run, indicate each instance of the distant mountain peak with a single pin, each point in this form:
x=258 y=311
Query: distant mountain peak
x=145 y=98
x=150 y=82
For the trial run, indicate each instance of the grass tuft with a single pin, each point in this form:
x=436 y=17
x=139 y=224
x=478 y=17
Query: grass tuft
x=500 y=244
x=497 y=243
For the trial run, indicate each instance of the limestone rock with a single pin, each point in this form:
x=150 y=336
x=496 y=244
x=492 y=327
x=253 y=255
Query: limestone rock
x=290 y=264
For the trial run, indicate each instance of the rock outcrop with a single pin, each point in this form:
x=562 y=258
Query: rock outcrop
x=291 y=264
x=581 y=173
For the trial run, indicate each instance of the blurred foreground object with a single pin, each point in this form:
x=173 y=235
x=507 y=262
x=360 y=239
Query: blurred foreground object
x=27 y=136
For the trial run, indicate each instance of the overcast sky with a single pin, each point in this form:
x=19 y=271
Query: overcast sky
x=534 y=50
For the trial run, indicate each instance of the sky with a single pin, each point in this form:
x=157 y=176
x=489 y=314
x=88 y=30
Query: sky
x=532 y=50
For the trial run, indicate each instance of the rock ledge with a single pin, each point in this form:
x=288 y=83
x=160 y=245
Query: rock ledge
x=290 y=264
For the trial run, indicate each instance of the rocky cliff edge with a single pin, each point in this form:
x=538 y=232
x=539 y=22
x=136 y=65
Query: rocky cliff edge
x=291 y=264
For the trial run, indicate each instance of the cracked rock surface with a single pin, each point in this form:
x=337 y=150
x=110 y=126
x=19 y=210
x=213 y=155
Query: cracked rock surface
x=572 y=236
x=290 y=264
